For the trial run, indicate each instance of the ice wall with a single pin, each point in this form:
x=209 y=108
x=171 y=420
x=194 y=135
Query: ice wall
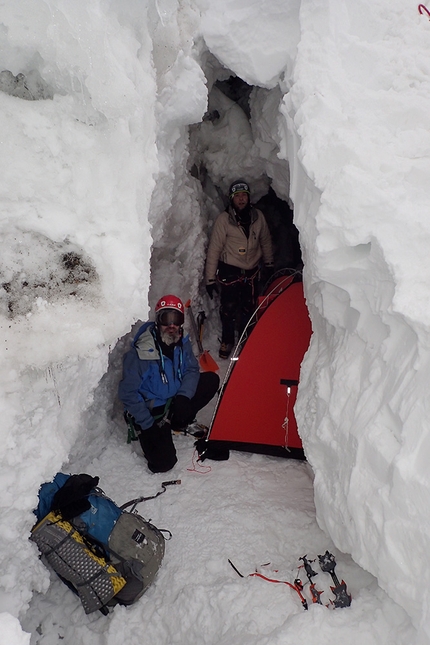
x=95 y=103
x=77 y=166
x=178 y=251
x=92 y=175
x=357 y=113
x=354 y=90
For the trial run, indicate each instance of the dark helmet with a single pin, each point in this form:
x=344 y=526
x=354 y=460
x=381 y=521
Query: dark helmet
x=238 y=186
x=169 y=310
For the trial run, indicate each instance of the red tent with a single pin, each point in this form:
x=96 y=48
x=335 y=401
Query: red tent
x=255 y=407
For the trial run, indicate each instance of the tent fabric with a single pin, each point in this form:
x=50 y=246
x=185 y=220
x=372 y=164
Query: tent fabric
x=255 y=409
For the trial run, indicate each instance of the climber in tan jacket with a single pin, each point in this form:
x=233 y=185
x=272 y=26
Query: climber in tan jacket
x=239 y=243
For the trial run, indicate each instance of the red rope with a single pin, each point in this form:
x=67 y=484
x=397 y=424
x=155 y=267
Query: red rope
x=297 y=588
x=240 y=278
x=197 y=466
x=422 y=8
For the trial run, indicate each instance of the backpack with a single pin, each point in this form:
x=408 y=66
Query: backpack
x=105 y=554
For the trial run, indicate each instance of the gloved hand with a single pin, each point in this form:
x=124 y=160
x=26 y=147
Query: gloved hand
x=182 y=413
x=211 y=289
x=267 y=273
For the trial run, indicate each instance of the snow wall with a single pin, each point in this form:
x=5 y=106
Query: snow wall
x=96 y=176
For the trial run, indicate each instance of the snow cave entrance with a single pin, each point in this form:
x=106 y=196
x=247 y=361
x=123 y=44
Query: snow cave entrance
x=233 y=108
x=237 y=138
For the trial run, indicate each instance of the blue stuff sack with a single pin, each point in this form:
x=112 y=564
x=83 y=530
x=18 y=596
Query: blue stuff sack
x=131 y=548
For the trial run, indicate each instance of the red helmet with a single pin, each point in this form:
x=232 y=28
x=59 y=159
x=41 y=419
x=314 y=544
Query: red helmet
x=172 y=304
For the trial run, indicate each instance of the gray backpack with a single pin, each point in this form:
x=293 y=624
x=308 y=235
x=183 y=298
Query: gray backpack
x=136 y=550
x=105 y=554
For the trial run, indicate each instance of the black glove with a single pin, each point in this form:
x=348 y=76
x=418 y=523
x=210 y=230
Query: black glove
x=211 y=289
x=267 y=273
x=182 y=413
x=72 y=498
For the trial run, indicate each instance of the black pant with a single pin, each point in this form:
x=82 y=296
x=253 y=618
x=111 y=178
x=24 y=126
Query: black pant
x=158 y=447
x=237 y=298
x=157 y=443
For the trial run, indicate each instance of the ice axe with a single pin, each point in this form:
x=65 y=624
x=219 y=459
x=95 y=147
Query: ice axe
x=206 y=362
x=201 y=317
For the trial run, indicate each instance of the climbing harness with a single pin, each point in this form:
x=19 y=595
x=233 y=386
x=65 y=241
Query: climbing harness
x=243 y=277
x=132 y=433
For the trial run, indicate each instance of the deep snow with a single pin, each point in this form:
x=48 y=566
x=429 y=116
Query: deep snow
x=111 y=177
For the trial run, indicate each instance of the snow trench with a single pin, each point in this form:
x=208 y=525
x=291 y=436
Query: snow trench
x=128 y=151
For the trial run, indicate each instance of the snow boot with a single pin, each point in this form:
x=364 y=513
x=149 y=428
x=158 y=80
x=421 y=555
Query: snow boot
x=225 y=350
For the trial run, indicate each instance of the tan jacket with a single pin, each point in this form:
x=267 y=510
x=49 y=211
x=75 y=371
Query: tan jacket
x=229 y=243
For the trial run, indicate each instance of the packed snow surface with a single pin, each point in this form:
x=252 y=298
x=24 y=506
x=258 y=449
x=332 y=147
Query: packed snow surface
x=119 y=141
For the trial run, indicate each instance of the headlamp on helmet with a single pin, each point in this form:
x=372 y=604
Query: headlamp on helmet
x=239 y=186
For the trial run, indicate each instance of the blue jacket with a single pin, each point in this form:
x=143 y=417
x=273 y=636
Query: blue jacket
x=142 y=387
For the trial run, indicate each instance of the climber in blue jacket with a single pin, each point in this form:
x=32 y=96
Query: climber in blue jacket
x=162 y=388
